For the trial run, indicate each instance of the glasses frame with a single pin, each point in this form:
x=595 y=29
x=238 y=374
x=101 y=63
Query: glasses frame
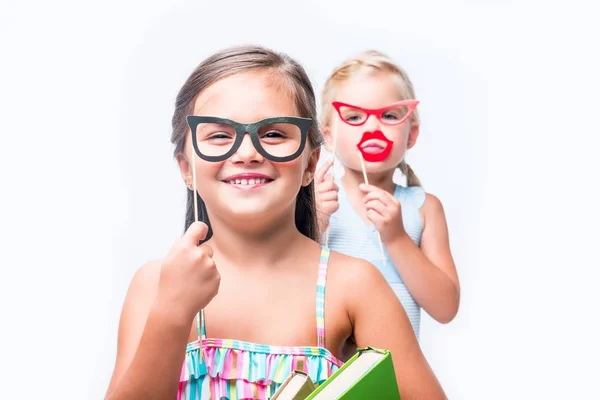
x=304 y=124
x=378 y=112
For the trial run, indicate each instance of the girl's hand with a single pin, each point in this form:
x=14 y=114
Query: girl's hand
x=189 y=278
x=384 y=211
x=326 y=193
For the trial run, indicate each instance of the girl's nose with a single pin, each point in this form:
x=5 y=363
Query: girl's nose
x=247 y=153
x=371 y=124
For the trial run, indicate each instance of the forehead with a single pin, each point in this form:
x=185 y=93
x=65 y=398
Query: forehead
x=370 y=89
x=247 y=97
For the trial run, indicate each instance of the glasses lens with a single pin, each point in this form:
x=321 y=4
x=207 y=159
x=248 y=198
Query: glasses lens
x=394 y=116
x=280 y=139
x=214 y=140
x=352 y=116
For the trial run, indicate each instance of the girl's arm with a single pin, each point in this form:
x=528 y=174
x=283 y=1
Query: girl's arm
x=429 y=272
x=157 y=318
x=151 y=343
x=379 y=321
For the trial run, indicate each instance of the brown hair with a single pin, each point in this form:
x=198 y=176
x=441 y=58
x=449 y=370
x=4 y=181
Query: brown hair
x=370 y=60
x=237 y=60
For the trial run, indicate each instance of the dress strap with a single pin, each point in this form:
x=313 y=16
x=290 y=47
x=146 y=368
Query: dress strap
x=200 y=327
x=321 y=280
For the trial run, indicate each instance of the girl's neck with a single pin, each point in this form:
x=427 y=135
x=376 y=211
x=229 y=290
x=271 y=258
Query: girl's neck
x=253 y=243
x=383 y=180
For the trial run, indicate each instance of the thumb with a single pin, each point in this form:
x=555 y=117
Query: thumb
x=196 y=232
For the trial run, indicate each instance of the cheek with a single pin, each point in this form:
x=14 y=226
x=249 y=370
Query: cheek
x=399 y=149
x=293 y=171
x=349 y=133
x=206 y=176
x=204 y=169
x=398 y=134
x=348 y=152
x=400 y=143
x=348 y=138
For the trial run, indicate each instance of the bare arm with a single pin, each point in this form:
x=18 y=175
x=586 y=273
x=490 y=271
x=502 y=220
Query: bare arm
x=151 y=343
x=380 y=321
x=429 y=272
x=157 y=317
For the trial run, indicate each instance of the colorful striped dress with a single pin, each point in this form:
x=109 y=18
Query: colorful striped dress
x=233 y=369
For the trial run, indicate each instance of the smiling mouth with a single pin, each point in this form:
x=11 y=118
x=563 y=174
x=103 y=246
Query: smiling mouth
x=375 y=146
x=248 y=182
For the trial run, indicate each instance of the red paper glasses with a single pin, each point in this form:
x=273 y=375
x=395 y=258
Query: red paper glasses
x=394 y=114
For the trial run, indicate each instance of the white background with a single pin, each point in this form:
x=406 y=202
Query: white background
x=90 y=191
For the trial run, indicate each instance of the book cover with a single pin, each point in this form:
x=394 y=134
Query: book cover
x=369 y=374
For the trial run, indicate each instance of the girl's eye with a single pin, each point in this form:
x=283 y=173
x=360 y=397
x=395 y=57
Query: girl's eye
x=390 y=116
x=219 y=136
x=353 y=118
x=274 y=134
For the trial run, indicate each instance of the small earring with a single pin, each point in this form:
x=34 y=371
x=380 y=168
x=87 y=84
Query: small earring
x=308 y=178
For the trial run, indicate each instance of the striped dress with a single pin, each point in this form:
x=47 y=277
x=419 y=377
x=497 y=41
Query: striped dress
x=348 y=234
x=233 y=369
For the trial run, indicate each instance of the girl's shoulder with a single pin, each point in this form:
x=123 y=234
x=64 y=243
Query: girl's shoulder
x=431 y=208
x=349 y=276
x=419 y=198
x=414 y=196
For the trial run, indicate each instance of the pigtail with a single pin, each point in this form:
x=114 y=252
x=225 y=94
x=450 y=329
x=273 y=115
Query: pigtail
x=411 y=177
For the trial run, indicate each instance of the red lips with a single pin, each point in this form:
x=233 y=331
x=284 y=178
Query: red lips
x=379 y=156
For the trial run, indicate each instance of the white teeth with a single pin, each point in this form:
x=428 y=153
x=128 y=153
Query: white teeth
x=246 y=182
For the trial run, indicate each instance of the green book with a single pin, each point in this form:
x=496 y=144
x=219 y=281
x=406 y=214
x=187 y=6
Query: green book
x=297 y=386
x=369 y=374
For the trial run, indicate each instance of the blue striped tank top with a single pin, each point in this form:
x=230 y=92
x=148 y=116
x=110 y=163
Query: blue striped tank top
x=348 y=234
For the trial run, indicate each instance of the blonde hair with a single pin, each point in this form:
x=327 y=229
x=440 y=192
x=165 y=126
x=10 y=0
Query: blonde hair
x=374 y=61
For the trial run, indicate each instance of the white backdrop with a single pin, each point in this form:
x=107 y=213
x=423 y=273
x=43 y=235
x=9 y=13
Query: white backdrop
x=90 y=190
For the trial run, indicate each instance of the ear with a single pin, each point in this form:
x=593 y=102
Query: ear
x=413 y=135
x=328 y=138
x=185 y=168
x=311 y=166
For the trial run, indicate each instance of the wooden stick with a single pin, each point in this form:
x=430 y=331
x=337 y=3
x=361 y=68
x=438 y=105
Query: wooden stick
x=363 y=167
x=200 y=315
x=364 y=171
x=195 y=188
